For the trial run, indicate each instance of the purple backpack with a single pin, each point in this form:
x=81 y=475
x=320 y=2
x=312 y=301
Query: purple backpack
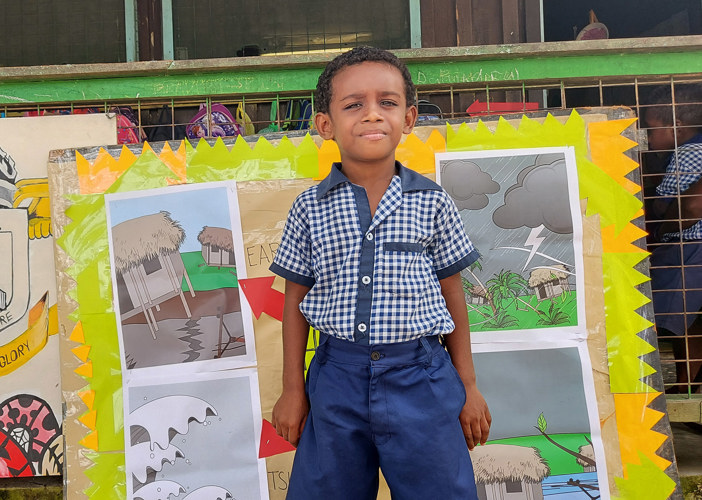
x=223 y=123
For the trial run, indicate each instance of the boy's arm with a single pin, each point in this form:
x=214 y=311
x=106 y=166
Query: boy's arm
x=290 y=411
x=685 y=214
x=475 y=417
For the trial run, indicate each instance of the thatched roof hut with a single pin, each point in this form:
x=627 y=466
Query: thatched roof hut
x=218 y=238
x=497 y=463
x=544 y=275
x=478 y=291
x=586 y=451
x=141 y=239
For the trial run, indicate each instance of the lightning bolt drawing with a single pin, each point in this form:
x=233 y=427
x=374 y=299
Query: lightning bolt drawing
x=534 y=241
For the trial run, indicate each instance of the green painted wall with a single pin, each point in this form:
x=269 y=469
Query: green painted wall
x=266 y=75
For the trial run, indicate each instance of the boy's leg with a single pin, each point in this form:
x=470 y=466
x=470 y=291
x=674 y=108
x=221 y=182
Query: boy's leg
x=335 y=458
x=423 y=453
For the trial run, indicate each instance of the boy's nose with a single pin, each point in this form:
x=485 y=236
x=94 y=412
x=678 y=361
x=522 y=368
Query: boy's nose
x=373 y=113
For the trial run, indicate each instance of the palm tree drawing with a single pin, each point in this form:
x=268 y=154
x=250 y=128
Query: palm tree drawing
x=508 y=286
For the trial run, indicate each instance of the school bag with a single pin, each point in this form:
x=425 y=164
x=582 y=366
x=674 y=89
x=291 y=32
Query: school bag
x=163 y=128
x=128 y=131
x=244 y=120
x=298 y=115
x=273 y=126
x=223 y=123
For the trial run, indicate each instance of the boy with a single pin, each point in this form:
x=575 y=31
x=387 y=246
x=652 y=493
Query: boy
x=371 y=258
x=676 y=273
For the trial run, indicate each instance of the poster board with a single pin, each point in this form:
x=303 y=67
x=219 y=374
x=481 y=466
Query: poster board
x=30 y=392
x=618 y=378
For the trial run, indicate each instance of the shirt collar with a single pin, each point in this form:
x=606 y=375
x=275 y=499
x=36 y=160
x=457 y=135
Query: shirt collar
x=411 y=180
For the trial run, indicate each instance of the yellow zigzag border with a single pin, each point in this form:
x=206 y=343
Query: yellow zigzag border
x=609 y=188
x=602 y=167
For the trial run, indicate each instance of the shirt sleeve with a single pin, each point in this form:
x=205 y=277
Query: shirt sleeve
x=293 y=258
x=451 y=249
x=684 y=169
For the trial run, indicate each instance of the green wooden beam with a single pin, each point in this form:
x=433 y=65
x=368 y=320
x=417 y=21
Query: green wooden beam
x=540 y=62
x=130 y=29
x=545 y=68
x=415 y=24
x=167 y=28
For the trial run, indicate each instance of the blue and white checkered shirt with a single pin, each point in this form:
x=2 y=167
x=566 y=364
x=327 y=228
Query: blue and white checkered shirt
x=374 y=281
x=684 y=169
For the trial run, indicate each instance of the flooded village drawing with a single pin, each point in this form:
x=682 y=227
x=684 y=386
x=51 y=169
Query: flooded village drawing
x=521 y=211
x=549 y=449
x=174 y=255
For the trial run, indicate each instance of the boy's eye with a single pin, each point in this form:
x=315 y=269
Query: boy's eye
x=388 y=103
x=352 y=105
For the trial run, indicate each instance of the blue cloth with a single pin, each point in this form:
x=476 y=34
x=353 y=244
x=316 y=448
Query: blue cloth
x=374 y=280
x=683 y=170
x=677 y=285
x=393 y=406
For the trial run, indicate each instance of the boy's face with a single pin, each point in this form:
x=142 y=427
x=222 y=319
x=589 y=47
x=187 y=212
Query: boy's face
x=660 y=136
x=368 y=112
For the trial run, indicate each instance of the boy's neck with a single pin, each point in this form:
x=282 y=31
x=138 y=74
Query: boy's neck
x=373 y=177
x=686 y=133
x=369 y=175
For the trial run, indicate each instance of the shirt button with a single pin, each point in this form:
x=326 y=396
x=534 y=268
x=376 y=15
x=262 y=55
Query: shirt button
x=362 y=327
x=369 y=236
x=366 y=280
x=375 y=355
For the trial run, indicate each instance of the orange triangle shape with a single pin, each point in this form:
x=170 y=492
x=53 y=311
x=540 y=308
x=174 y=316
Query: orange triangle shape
x=81 y=352
x=85 y=370
x=77 y=334
x=89 y=419
x=90 y=441
x=622 y=242
x=88 y=398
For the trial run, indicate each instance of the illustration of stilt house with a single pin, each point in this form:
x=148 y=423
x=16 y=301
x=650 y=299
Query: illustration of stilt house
x=549 y=282
x=504 y=472
x=586 y=451
x=217 y=246
x=149 y=268
x=476 y=295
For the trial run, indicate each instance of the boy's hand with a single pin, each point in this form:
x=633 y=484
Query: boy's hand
x=475 y=418
x=289 y=415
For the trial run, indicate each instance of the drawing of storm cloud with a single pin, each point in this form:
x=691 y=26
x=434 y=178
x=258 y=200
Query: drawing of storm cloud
x=470 y=195
x=540 y=196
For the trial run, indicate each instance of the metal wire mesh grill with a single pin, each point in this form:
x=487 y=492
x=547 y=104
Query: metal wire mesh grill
x=271 y=112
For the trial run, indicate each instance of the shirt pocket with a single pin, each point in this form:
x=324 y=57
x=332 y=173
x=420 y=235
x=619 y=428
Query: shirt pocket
x=405 y=269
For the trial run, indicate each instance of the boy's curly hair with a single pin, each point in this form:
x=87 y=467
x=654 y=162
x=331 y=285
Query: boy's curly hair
x=688 y=104
x=358 y=55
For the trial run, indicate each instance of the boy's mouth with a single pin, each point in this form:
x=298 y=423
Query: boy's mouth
x=373 y=135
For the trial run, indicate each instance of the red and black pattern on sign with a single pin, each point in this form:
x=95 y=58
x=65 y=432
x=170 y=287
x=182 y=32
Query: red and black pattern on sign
x=14 y=462
x=30 y=423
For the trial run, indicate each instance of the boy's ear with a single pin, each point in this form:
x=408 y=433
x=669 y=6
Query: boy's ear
x=323 y=124
x=410 y=119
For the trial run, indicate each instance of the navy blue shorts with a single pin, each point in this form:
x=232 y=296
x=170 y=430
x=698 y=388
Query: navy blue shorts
x=391 y=406
x=677 y=285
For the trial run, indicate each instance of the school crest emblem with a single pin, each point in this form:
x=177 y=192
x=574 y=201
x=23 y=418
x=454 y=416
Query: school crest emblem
x=14 y=268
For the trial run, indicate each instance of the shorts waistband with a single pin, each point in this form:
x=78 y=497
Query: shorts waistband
x=411 y=352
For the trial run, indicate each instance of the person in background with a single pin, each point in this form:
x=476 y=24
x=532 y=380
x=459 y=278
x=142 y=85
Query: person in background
x=676 y=260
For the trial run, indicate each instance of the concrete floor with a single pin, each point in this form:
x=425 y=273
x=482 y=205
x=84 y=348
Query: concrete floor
x=687 y=443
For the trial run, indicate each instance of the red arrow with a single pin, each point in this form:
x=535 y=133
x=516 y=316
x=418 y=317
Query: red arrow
x=262 y=298
x=496 y=108
x=271 y=442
